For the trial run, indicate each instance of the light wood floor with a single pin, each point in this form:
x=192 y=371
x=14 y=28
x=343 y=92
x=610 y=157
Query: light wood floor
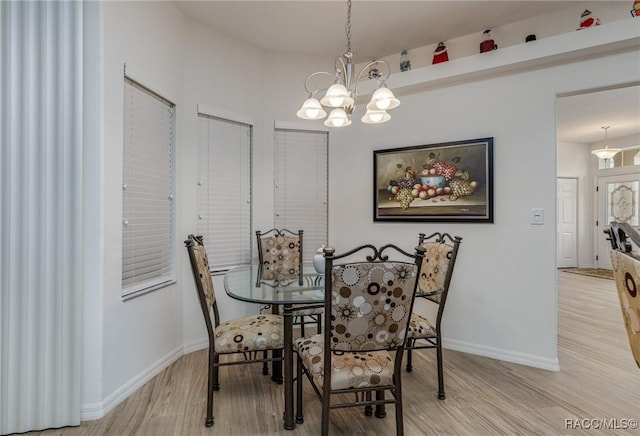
x=598 y=380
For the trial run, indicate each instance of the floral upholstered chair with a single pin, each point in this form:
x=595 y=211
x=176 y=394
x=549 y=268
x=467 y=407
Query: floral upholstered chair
x=368 y=306
x=441 y=251
x=280 y=254
x=280 y=257
x=625 y=260
x=250 y=335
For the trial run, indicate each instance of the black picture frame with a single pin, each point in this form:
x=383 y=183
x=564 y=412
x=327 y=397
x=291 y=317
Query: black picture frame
x=455 y=178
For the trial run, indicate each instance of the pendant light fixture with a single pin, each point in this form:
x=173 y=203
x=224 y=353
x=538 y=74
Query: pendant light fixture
x=606 y=152
x=341 y=96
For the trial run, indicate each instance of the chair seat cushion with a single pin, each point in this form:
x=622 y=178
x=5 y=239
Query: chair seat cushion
x=349 y=370
x=299 y=310
x=420 y=327
x=249 y=333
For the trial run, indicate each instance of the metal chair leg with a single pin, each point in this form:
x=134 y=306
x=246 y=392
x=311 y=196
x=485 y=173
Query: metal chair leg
x=409 y=349
x=380 y=409
x=441 y=395
x=265 y=364
x=368 y=410
x=301 y=318
x=399 y=421
x=299 y=413
x=212 y=381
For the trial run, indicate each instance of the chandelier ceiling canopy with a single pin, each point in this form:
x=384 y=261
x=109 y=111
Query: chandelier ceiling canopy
x=341 y=96
x=606 y=152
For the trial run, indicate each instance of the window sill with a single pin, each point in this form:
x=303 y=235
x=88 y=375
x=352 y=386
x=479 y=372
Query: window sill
x=133 y=293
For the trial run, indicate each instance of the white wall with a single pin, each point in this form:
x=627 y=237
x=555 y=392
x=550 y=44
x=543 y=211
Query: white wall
x=503 y=300
x=188 y=65
x=574 y=160
x=139 y=335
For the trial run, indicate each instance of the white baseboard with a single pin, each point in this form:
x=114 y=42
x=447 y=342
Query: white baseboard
x=89 y=412
x=502 y=354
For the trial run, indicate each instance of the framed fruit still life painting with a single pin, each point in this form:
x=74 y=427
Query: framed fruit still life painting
x=446 y=182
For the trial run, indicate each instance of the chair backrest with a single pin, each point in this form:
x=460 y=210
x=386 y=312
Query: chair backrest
x=279 y=253
x=370 y=301
x=623 y=237
x=441 y=251
x=203 y=280
x=626 y=271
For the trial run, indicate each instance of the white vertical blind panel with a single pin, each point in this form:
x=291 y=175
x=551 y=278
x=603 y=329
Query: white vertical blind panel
x=147 y=192
x=301 y=186
x=224 y=191
x=41 y=215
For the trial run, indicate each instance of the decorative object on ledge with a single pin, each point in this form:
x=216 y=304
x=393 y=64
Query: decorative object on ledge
x=341 y=96
x=605 y=152
x=447 y=182
x=586 y=20
x=635 y=12
x=487 y=43
x=405 y=62
x=440 y=54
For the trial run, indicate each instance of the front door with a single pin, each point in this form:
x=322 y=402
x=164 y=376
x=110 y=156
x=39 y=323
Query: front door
x=617 y=200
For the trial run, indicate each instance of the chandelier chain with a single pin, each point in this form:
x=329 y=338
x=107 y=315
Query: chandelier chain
x=349 y=26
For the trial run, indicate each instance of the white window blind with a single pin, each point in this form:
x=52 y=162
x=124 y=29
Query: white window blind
x=224 y=191
x=301 y=185
x=147 y=191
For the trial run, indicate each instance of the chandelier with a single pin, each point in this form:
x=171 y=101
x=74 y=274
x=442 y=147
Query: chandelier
x=606 y=152
x=341 y=96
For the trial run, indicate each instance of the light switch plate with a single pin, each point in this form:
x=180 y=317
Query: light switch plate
x=537 y=216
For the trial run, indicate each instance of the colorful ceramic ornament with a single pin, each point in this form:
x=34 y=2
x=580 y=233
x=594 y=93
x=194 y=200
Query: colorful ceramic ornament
x=487 y=43
x=440 y=53
x=586 y=20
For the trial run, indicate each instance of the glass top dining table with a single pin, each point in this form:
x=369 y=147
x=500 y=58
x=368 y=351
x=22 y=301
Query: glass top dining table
x=246 y=283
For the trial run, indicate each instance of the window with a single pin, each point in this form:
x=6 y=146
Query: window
x=148 y=220
x=224 y=191
x=301 y=185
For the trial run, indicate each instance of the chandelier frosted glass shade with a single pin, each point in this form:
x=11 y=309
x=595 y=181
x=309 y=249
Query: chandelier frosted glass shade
x=383 y=99
x=311 y=110
x=375 y=117
x=337 y=96
x=606 y=152
x=337 y=118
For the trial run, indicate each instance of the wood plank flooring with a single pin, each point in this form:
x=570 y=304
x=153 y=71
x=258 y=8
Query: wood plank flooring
x=598 y=380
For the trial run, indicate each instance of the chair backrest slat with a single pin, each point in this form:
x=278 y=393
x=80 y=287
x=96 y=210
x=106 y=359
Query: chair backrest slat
x=279 y=253
x=441 y=252
x=626 y=270
x=204 y=282
x=370 y=301
x=371 y=305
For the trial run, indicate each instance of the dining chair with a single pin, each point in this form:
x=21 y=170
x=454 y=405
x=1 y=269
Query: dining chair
x=280 y=257
x=250 y=336
x=368 y=303
x=441 y=252
x=625 y=261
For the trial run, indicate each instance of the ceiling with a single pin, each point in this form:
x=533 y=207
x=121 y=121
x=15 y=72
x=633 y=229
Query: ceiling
x=581 y=117
x=381 y=28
